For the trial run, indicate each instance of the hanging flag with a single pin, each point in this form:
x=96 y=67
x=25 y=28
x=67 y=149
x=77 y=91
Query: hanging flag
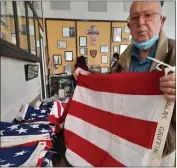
x=117 y=120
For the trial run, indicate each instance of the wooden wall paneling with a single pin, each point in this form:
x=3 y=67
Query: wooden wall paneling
x=124 y=35
x=54 y=34
x=102 y=39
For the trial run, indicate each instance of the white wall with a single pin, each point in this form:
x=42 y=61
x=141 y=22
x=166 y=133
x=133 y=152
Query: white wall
x=15 y=90
x=115 y=11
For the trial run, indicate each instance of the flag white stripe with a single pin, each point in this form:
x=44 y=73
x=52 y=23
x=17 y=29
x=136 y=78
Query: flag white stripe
x=75 y=159
x=127 y=105
x=130 y=155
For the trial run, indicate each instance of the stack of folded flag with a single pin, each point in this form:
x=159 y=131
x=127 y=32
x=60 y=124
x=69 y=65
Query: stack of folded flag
x=30 y=142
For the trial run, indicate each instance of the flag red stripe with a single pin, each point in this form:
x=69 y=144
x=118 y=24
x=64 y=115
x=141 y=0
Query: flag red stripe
x=128 y=83
x=137 y=131
x=88 y=151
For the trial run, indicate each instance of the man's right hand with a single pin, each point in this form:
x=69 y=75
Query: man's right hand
x=79 y=71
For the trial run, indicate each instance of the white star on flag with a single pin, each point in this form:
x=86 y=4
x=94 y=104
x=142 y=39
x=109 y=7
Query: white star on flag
x=34 y=114
x=13 y=127
x=43 y=130
x=41 y=116
x=2 y=160
x=7 y=165
x=35 y=126
x=43 y=111
x=20 y=153
x=21 y=130
x=2 y=132
x=37 y=108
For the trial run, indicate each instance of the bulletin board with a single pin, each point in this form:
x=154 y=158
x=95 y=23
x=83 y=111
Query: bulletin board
x=102 y=39
x=54 y=34
x=125 y=36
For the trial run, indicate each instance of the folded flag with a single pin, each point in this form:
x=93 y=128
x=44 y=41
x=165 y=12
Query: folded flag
x=16 y=134
x=28 y=155
x=117 y=120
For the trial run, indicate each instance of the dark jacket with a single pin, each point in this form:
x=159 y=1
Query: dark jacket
x=166 y=52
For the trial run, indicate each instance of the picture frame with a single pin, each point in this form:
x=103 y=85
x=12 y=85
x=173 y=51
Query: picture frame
x=61 y=44
x=126 y=29
x=104 y=49
x=31 y=71
x=31 y=30
x=3 y=35
x=68 y=32
x=115 y=49
x=82 y=41
x=13 y=36
x=104 y=59
x=68 y=56
x=104 y=69
x=83 y=51
x=122 y=48
x=125 y=40
x=57 y=59
x=23 y=29
x=117 y=34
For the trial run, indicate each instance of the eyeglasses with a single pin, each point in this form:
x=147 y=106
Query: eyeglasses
x=147 y=16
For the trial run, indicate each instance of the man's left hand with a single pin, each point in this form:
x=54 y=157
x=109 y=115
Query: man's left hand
x=168 y=86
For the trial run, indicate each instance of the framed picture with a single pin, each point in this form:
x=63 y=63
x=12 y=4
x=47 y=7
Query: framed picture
x=68 y=32
x=82 y=41
x=23 y=29
x=3 y=35
x=115 y=49
x=13 y=36
x=104 y=59
x=125 y=39
x=104 y=69
x=126 y=29
x=123 y=47
x=31 y=30
x=117 y=34
x=68 y=56
x=31 y=71
x=83 y=51
x=57 y=60
x=61 y=44
x=104 y=49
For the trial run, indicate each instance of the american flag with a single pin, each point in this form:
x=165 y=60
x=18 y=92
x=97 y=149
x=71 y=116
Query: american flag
x=51 y=112
x=16 y=134
x=117 y=120
x=28 y=155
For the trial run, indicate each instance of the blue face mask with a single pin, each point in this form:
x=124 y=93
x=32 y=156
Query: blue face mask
x=145 y=45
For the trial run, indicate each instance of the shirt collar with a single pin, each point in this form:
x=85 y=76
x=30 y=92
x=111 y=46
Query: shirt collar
x=135 y=56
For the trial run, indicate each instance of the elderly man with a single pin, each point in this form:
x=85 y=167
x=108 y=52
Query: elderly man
x=148 y=39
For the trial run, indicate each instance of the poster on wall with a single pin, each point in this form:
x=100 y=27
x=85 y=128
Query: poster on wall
x=117 y=34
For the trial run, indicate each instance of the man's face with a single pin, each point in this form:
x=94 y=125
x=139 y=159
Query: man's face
x=145 y=20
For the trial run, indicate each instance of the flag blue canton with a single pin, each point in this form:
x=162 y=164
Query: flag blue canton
x=15 y=156
x=9 y=129
x=37 y=113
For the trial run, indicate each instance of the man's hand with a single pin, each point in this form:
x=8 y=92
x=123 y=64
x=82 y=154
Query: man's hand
x=80 y=71
x=168 y=86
